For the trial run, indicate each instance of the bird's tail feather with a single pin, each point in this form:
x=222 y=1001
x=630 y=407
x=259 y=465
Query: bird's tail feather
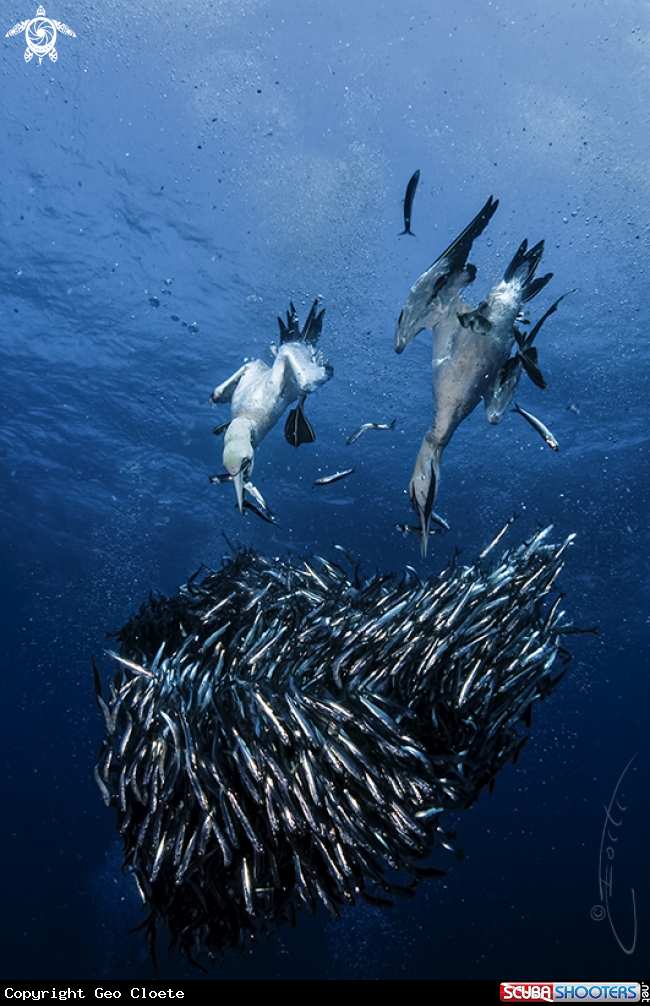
x=290 y=332
x=523 y=268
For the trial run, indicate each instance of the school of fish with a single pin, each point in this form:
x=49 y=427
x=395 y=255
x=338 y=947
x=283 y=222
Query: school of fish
x=282 y=734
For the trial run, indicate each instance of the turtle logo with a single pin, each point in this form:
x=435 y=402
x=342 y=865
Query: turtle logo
x=40 y=35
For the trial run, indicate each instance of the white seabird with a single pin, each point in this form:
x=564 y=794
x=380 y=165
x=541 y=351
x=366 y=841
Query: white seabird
x=471 y=347
x=259 y=394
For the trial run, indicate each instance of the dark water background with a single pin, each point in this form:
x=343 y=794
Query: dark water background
x=211 y=161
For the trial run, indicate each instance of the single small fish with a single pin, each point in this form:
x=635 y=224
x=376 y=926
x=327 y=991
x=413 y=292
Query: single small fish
x=500 y=535
x=408 y=202
x=440 y=521
x=264 y=514
x=138 y=668
x=576 y=630
x=539 y=426
x=252 y=491
x=369 y=426
x=407 y=529
x=257 y=497
x=336 y=477
x=574 y=409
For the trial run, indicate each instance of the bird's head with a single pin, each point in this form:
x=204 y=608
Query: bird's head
x=238 y=452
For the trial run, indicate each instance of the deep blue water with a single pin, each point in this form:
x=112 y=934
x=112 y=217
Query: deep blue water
x=212 y=161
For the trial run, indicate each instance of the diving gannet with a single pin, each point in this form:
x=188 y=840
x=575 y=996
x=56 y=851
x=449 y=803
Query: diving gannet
x=471 y=347
x=259 y=394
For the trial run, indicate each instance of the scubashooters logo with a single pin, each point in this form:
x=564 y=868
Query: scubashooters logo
x=569 y=992
x=40 y=35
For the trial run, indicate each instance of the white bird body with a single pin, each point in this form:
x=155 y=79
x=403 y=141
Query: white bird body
x=472 y=348
x=259 y=394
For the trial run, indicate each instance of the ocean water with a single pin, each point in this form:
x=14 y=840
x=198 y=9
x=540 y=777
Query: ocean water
x=177 y=177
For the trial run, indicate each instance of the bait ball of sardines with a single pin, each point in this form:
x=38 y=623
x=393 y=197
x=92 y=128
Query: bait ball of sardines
x=280 y=734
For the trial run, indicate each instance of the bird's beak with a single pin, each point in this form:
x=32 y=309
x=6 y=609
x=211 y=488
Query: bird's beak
x=422 y=491
x=239 y=479
x=424 y=520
